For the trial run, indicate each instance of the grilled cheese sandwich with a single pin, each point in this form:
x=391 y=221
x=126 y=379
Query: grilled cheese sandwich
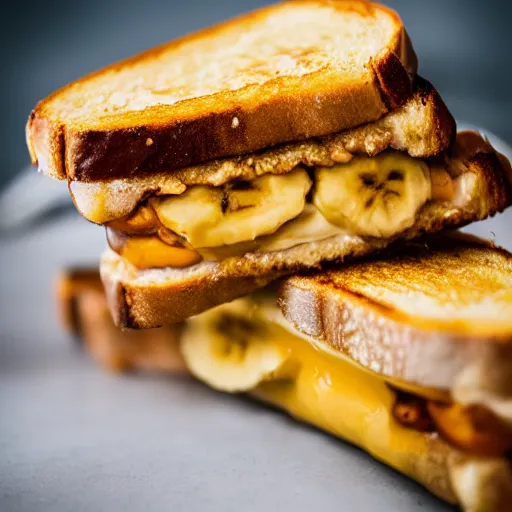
x=424 y=395
x=288 y=140
x=325 y=387
x=310 y=153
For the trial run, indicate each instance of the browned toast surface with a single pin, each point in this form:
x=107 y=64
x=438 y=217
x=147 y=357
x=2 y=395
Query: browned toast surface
x=70 y=284
x=149 y=298
x=425 y=313
x=453 y=285
x=288 y=72
x=422 y=127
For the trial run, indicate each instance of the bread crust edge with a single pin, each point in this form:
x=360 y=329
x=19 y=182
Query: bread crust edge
x=89 y=155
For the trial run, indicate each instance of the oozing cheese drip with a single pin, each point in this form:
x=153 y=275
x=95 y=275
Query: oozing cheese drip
x=353 y=404
x=320 y=386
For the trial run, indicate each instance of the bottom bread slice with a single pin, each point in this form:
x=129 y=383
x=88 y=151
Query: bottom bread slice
x=155 y=297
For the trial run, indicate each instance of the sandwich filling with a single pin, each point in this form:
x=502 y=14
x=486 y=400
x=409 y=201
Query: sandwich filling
x=374 y=180
x=377 y=196
x=247 y=346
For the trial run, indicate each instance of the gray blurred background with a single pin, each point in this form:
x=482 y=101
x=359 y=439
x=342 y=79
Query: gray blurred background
x=464 y=48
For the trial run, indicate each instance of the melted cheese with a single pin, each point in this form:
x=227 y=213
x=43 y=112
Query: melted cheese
x=151 y=252
x=356 y=405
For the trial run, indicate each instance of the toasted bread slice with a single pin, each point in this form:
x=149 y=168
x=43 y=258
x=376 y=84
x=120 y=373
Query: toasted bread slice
x=83 y=312
x=150 y=298
x=422 y=127
x=69 y=287
x=436 y=313
x=289 y=72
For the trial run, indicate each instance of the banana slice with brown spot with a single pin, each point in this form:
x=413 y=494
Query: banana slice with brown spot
x=236 y=212
x=232 y=351
x=377 y=196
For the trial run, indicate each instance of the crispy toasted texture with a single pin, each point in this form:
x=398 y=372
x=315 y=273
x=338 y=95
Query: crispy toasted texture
x=436 y=313
x=150 y=298
x=422 y=127
x=83 y=312
x=289 y=72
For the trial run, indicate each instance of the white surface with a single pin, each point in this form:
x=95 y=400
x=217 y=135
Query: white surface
x=73 y=438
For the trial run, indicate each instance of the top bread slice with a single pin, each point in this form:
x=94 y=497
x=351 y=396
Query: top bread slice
x=289 y=72
x=436 y=314
x=422 y=127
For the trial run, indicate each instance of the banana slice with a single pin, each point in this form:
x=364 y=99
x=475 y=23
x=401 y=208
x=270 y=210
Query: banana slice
x=309 y=226
x=377 y=196
x=237 y=212
x=232 y=351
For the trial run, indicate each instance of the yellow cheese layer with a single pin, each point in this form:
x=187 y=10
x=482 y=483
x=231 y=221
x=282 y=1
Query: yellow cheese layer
x=356 y=405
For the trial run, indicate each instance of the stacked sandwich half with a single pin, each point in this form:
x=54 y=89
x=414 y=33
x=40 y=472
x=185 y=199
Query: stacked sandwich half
x=258 y=160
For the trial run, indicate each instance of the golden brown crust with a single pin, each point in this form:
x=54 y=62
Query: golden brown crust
x=143 y=307
x=420 y=348
x=201 y=129
x=69 y=284
x=423 y=127
x=393 y=71
x=445 y=131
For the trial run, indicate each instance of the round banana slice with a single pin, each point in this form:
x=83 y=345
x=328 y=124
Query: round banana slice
x=377 y=196
x=236 y=212
x=231 y=351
